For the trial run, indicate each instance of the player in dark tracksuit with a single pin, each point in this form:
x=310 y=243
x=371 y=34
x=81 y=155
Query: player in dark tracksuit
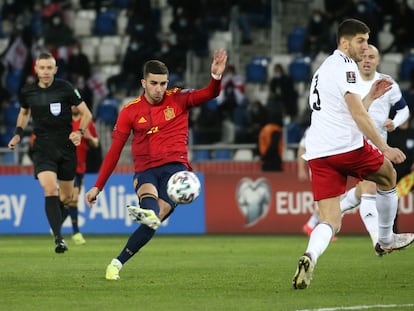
x=48 y=101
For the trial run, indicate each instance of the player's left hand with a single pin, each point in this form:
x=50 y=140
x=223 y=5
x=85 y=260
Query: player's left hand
x=389 y=125
x=75 y=138
x=380 y=87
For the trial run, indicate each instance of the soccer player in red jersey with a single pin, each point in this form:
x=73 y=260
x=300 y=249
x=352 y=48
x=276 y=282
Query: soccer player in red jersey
x=158 y=119
x=89 y=139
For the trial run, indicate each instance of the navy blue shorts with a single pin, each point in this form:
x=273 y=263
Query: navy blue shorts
x=159 y=176
x=78 y=181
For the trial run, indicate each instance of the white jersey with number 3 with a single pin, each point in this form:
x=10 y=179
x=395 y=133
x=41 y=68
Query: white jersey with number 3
x=333 y=130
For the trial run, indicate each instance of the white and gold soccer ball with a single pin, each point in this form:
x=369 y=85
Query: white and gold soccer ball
x=183 y=187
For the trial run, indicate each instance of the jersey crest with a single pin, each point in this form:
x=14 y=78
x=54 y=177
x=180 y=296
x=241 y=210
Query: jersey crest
x=350 y=77
x=169 y=113
x=56 y=108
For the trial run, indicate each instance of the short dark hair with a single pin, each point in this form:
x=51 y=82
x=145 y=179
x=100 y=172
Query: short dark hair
x=155 y=67
x=44 y=55
x=351 y=27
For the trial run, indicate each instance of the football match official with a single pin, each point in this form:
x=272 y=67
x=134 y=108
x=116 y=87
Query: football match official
x=49 y=102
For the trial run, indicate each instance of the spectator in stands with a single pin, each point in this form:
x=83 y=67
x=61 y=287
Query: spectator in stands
x=182 y=27
x=338 y=10
x=270 y=142
x=78 y=64
x=252 y=14
x=283 y=98
x=232 y=92
x=257 y=118
x=58 y=38
x=131 y=72
x=85 y=91
x=371 y=14
x=141 y=22
x=176 y=62
x=232 y=101
x=16 y=58
x=216 y=14
x=317 y=34
x=401 y=25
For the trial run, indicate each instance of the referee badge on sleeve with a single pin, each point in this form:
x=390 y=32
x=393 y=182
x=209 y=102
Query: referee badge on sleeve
x=55 y=108
x=350 y=77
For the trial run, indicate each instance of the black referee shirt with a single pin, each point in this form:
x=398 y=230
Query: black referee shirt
x=51 y=108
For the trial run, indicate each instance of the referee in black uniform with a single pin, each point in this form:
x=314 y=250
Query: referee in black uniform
x=48 y=101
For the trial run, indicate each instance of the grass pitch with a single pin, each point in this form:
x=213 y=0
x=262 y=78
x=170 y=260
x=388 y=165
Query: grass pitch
x=212 y=272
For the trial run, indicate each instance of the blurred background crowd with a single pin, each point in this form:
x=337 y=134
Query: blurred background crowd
x=274 y=46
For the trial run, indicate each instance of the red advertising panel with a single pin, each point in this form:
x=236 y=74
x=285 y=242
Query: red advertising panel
x=272 y=203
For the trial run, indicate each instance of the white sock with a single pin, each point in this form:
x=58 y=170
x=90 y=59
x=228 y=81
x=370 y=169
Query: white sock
x=319 y=240
x=313 y=220
x=349 y=201
x=116 y=262
x=369 y=215
x=387 y=204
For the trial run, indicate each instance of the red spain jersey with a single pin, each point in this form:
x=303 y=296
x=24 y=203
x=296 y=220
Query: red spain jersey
x=82 y=148
x=160 y=132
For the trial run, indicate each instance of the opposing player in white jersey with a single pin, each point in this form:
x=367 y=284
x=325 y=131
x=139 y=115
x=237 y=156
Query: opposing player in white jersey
x=364 y=194
x=336 y=148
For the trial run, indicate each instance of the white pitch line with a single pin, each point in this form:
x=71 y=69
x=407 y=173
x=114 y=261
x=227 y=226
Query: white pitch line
x=361 y=307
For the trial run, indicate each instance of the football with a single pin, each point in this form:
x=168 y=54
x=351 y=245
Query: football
x=183 y=187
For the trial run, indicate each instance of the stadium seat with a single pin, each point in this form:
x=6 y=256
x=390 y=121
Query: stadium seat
x=407 y=67
x=223 y=154
x=243 y=155
x=83 y=22
x=300 y=69
x=296 y=38
x=106 y=23
x=13 y=80
x=10 y=113
x=256 y=70
x=107 y=111
x=201 y=155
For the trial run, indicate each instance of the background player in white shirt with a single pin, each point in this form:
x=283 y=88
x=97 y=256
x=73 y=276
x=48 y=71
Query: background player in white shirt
x=364 y=194
x=336 y=148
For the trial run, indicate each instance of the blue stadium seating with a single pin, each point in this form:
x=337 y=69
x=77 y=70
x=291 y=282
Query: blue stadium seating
x=223 y=154
x=201 y=155
x=296 y=38
x=13 y=80
x=106 y=23
x=300 y=69
x=256 y=70
x=407 y=67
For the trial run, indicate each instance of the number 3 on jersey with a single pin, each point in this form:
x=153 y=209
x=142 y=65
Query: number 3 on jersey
x=316 y=101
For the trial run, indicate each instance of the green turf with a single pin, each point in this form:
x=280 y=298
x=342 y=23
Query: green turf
x=242 y=272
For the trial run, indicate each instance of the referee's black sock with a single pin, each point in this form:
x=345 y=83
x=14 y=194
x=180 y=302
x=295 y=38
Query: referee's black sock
x=54 y=215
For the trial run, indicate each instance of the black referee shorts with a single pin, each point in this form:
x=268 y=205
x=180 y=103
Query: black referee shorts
x=60 y=159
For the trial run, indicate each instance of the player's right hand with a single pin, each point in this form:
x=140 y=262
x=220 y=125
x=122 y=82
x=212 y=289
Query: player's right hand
x=13 y=142
x=91 y=195
x=395 y=155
